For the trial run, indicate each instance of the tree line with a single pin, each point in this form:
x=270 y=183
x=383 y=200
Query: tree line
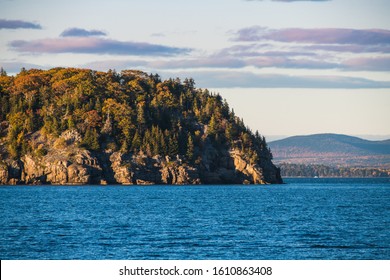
x=303 y=170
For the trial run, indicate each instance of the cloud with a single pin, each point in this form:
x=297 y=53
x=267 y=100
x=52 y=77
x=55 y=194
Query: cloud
x=90 y=45
x=367 y=64
x=200 y=62
x=300 y=0
x=241 y=79
x=105 y=65
x=219 y=62
x=215 y=62
x=14 y=67
x=315 y=36
x=18 y=24
x=227 y=78
x=79 y=32
x=350 y=48
x=288 y=63
x=262 y=50
x=241 y=56
x=293 y=0
x=261 y=56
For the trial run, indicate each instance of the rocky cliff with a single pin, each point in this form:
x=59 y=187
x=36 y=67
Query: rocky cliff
x=67 y=164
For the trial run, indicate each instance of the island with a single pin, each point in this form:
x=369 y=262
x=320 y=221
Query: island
x=69 y=126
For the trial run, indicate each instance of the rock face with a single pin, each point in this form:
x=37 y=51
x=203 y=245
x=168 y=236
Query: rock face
x=234 y=169
x=253 y=172
x=3 y=174
x=64 y=164
x=142 y=170
x=82 y=168
x=128 y=169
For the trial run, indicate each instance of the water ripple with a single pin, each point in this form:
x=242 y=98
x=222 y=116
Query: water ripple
x=306 y=219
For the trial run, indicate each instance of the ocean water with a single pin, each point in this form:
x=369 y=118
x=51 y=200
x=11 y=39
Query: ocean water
x=303 y=219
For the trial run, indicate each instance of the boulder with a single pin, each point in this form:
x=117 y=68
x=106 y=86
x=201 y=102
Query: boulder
x=122 y=170
x=32 y=170
x=3 y=173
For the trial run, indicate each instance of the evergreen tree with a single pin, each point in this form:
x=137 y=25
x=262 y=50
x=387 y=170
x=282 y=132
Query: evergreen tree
x=173 y=146
x=136 y=143
x=212 y=127
x=90 y=140
x=141 y=121
x=190 y=148
x=3 y=73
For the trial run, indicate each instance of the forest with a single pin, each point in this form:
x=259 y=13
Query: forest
x=317 y=170
x=129 y=112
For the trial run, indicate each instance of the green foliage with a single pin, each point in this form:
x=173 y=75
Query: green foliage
x=173 y=146
x=136 y=143
x=91 y=140
x=190 y=148
x=17 y=145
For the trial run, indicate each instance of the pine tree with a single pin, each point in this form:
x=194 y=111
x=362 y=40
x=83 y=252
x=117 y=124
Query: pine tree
x=90 y=140
x=190 y=148
x=141 y=121
x=162 y=143
x=3 y=73
x=212 y=128
x=173 y=146
x=136 y=143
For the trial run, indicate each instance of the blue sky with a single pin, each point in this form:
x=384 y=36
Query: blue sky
x=287 y=67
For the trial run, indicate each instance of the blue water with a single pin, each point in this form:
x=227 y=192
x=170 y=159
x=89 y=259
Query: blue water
x=304 y=219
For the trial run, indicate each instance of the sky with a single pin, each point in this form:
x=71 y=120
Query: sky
x=287 y=67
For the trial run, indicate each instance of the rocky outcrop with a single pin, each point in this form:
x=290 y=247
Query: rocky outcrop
x=180 y=175
x=33 y=171
x=65 y=173
x=10 y=172
x=80 y=168
x=122 y=169
x=129 y=169
x=233 y=168
x=3 y=174
x=65 y=163
x=142 y=170
x=253 y=172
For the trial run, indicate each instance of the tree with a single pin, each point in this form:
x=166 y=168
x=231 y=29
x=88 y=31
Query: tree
x=92 y=119
x=141 y=121
x=3 y=73
x=173 y=146
x=190 y=148
x=213 y=126
x=90 y=140
x=136 y=143
x=16 y=134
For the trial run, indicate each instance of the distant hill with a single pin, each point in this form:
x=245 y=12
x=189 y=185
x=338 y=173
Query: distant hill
x=332 y=150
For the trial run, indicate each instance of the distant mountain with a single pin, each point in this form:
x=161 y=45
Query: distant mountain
x=332 y=150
